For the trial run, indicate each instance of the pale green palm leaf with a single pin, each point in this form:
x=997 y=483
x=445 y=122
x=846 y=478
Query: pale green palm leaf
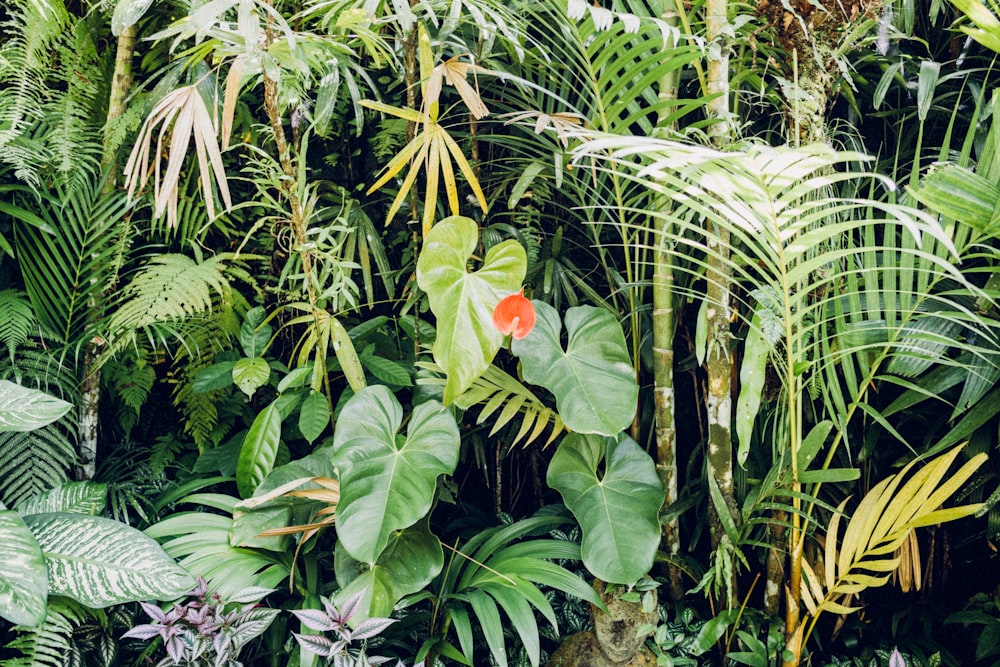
x=841 y=281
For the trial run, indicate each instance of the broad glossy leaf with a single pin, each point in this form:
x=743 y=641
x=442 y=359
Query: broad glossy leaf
x=100 y=562
x=387 y=482
x=215 y=377
x=248 y=526
x=23 y=580
x=314 y=416
x=25 y=409
x=254 y=334
x=76 y=497
x=617 y=510
x=463 y=301
x=260 y=447
x=410 y=561
x=592 y=379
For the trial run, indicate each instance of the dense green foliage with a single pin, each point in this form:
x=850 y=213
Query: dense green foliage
x=250 y=257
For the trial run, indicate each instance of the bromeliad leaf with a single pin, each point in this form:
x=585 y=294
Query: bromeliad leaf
x=463 y=302
x=387 y=483
x=101 y=562
x=617 y=510
x=592 y=379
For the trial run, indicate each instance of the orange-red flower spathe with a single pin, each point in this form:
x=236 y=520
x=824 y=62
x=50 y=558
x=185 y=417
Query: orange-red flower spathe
x=514 y=315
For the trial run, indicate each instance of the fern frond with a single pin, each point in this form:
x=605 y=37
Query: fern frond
x=51 y=643
x=16 y=320
x=132 y=378
x=35 y=461
x=163 y=452
x=29 y=35
x=170 y=288
x=71 y=133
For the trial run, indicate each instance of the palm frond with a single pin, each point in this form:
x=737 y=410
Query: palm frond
x=854 y=282
x=67 y=266
x=184 y=112
x=36 y=461
x=881 y=524
x=495 y=389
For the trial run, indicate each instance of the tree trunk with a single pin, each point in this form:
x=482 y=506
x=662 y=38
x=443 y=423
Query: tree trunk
x=90 y=394
x=718 y=368
x=719 y=365
x=664 y=327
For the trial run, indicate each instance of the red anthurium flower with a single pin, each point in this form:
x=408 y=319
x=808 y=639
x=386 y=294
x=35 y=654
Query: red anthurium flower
x=515 y=315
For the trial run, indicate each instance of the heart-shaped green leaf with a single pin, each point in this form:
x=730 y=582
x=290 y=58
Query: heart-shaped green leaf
x=410 y=561
x=101 y=562
x=592 y=379
x=24 y=583
x=617 y=510
x=250 y=374
x=387 y=483
x=463 y=301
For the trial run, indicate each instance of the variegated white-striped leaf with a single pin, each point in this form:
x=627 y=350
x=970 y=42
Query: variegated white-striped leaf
x=76 y=497
x=23 y=586
x=25 y=409
x=101 y=562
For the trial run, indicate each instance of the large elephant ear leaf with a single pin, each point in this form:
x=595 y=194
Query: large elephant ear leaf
x=463 y=301
x=410 y=561
x=100 y=562
x=618 y=511
x=23 y=581
x=388 y=483
x=592 y=379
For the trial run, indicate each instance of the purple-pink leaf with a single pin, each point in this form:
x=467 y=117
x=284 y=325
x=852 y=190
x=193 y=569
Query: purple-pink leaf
x=319 y=645
x=896 y=660
x=371 y=628
x=144 y=631
x=350 y=607
x=175 y=648
x=314 y=619
x=155 y=612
